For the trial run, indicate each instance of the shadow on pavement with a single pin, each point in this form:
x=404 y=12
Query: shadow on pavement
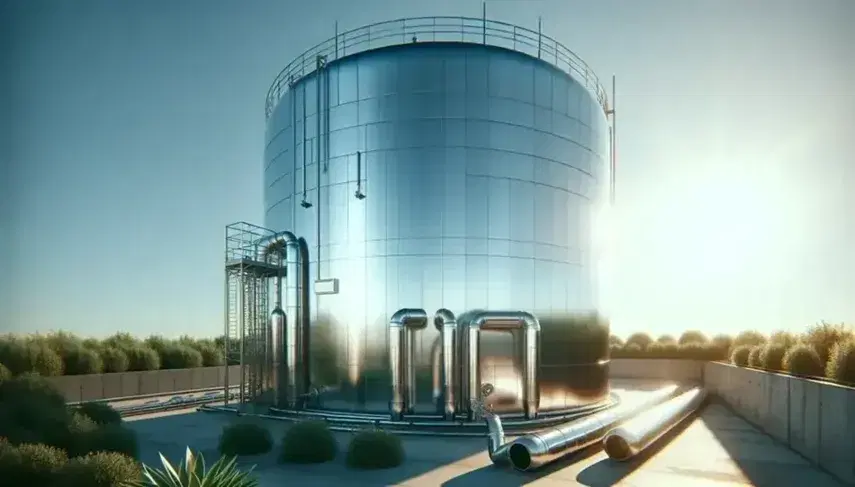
x=762 y=459
x=506 y=476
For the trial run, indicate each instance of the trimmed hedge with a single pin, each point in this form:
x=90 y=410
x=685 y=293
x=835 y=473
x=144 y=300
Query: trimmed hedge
x=100 y=413
x=841 y=362
x=30 y=464
x=102 y=469
x=245 y=438
x=308 y=442
x=65 y=354
x=803 y=360
x=371 y=450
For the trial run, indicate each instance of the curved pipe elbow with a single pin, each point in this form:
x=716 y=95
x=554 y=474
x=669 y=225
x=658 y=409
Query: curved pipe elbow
x=272 y=244
x=444 y=318
x=499 y=320
x=409 y=318
x=497 y=447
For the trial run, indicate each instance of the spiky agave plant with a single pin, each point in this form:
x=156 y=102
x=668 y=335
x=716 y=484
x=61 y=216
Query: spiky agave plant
x=192 y=473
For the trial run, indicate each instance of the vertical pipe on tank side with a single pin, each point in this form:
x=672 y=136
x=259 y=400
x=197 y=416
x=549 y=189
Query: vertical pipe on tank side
x=305 y=319
x=286 y=242
x=278 y=323
x=305 y=203
x=614 y=142
x=446 y=323
x=502 y=320
x=402 y=327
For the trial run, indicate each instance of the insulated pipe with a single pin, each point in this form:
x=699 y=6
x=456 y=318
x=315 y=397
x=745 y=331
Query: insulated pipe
x=402 y=351
x=305 y=319
x=471 y=350
x=446 y=323
x=436 y=371
x=271 y=248
x=629 y=439
x=535 y=450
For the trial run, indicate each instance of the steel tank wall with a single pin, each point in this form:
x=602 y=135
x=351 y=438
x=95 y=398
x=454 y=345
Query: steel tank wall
x=481 y=167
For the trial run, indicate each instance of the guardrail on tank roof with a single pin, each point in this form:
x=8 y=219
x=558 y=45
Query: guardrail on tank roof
x=437 y=29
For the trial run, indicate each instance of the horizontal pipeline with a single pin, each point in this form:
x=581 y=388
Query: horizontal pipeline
x=637 y=434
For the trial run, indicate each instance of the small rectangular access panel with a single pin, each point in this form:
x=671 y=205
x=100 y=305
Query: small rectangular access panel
x=326 y=286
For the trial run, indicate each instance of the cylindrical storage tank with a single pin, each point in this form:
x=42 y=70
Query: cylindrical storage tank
x=458 y=175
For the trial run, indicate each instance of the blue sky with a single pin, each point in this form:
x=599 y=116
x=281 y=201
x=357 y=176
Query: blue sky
x=134 y=134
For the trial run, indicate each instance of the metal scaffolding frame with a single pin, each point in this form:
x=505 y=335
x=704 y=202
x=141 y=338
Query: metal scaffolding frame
x=247 y=306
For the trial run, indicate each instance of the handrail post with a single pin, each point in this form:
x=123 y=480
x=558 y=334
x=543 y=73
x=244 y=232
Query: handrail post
x=484 y=22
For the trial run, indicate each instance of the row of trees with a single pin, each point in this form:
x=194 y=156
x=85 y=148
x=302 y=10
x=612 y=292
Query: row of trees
x=63 y=353
x=823 y=350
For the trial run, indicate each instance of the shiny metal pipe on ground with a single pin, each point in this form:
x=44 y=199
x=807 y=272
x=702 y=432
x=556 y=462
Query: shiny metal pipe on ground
x=402 y=327
x=535 y=450
x=630 y=438
x=471 y=349
x=446 y=323
x=284 y=346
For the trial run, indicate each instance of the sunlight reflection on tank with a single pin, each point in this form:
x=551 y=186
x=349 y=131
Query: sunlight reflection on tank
x=506 y=378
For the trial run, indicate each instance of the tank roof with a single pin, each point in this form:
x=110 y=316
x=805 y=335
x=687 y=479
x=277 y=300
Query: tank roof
x=436 y=29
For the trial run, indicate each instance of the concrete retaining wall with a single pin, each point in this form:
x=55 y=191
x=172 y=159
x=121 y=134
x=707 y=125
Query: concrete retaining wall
x=662 y=369
x=94 y=387
x=816 y=419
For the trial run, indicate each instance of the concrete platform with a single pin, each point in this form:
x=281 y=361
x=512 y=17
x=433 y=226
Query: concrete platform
x=715 y=449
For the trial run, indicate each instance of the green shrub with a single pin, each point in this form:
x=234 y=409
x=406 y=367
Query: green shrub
x=627 y=351
x=723 y=342
x=31 y=388
x=701 y=351
x=157 y=343
x=82 y=360
x=142 y=358
x=663 y=350
x=823 y=336
x=245 y=438
x=92 y=344
x=212 y=356
x=5 y=373
x=176 y=356
x=754 y=357
x=841 y=363
x=772 y=356
x=740 y=354
x=750 y=338
x=114 y=359
x=374 y=450
x=113 y=438
x=101 y=469
x=643 y=340
x=666 y=339
x=308 y=442
x=30 y=465
x=784 y=338
x=803 y=360
x=121 y=340
x=692 y=336
x=22 y=355
x=615 y=341
x=100 y=412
